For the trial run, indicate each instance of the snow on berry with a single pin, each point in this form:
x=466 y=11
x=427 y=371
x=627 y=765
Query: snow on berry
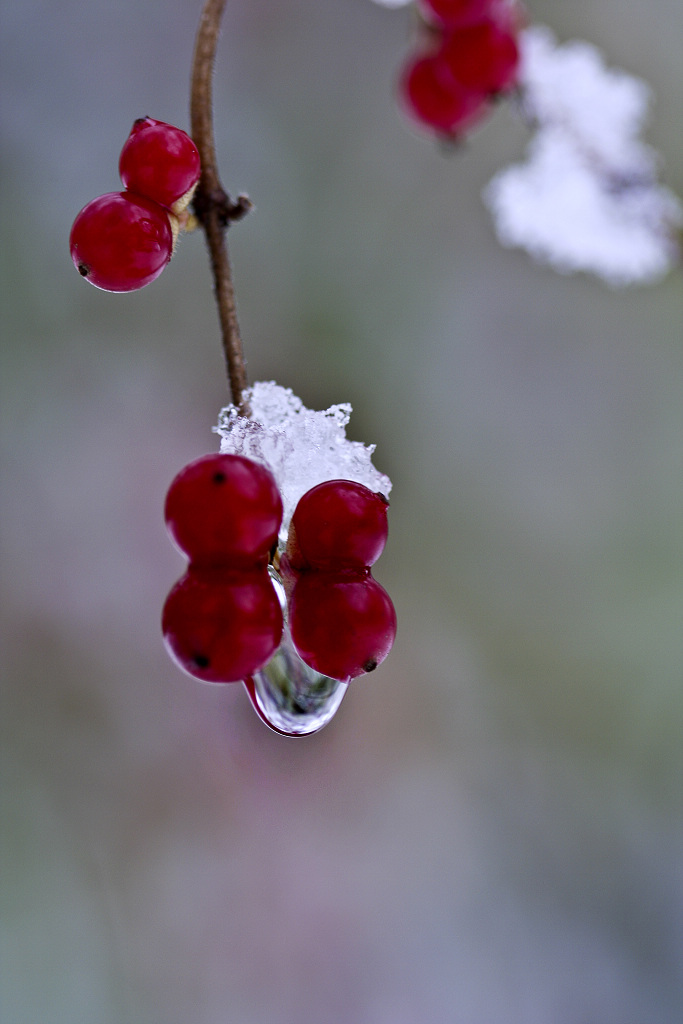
x=302 y=447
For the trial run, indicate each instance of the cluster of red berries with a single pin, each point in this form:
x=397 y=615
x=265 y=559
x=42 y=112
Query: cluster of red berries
x=342 y=621
x=123 y=240
x=223 y=620
x=471 y=57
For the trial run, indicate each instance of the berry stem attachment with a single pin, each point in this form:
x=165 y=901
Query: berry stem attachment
x=214 y=208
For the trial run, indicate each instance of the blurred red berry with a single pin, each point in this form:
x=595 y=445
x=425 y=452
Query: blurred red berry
x=451 y=13
x=484 y=57
x=436 y=99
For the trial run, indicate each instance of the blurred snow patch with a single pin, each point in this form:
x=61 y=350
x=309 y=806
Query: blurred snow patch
x=393 y=3
x=570 y=86
x=588 y=197
x=302 y=447
x=561 y=210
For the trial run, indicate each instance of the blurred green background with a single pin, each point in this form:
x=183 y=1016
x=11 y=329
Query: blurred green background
x=490 y=832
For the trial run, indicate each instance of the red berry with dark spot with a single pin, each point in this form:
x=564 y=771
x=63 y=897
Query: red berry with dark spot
x=221 y=627
x=224 y=510
x=120 y=241
x=160 y=161
x=342 y=624
x=339 y=524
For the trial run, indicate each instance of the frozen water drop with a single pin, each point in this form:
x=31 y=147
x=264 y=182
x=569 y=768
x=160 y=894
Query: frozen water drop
x=301 y=447
x=290 y=697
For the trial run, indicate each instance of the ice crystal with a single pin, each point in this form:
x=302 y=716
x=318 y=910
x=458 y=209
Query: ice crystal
x=588 y=196
x=302 y=447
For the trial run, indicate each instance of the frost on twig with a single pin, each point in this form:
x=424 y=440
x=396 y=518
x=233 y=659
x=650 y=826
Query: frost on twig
x=301 y=447
x=588 y=196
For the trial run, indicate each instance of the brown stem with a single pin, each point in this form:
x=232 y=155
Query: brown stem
x=212 y=205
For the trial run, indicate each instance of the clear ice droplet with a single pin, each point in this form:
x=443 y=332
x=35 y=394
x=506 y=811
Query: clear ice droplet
x=290 y=697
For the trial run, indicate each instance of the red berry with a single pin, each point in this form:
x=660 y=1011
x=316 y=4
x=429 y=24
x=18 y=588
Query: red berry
x=342 y=624
x=224 y=510
x=434 y=97
x=456 y=12
x=220 y=626
x=120 y=242
x=484 y=57
x=340 y=524
x=159 y=161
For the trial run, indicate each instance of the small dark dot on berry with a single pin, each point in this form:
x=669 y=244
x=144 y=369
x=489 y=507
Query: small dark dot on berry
x=370 y=665
x=83 y=270
x=219 y=478
x=382 y=497
x=201 y=660
x=139 y=120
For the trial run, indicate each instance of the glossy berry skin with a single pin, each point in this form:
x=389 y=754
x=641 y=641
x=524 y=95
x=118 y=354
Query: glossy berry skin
x=221 y=627
x=342 y=624
x=434 y=98
x=484 y=57
x=160 y=161
x=452 y=13
x=339 y=524
x=224 y=510
x=120 y=242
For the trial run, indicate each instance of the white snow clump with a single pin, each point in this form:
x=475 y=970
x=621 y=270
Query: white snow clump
x=300 y=446
x=587 y=197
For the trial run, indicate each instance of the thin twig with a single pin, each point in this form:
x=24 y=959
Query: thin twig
x=212 y=205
